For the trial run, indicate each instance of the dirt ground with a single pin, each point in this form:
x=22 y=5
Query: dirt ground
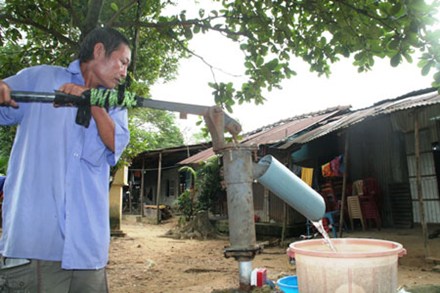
x=146 y=261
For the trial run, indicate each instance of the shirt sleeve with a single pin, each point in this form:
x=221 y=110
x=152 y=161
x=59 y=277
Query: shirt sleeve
x=122 y=134
x=94 y=150
x=9 y=115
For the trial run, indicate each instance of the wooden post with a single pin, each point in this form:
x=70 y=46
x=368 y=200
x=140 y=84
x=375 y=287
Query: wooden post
x=344 y=185
x=419 y=184
x=283 y=231
x=159 y=173
x=115 y=200
x=266 y=208
x=141 y=194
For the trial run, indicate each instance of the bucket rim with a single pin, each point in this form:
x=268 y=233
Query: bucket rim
x=389 y=248
x=281 y=281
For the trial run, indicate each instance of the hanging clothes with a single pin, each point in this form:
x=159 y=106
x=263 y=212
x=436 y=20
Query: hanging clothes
x=307 y=175
x=335 y=165
x=334 y=168
x=326 y=170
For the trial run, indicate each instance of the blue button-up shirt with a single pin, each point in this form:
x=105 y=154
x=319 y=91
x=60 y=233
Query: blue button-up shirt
x=56 y=194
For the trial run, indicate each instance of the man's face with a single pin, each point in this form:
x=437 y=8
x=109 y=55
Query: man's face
x=109 y=71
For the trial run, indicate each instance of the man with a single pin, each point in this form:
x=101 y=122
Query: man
x=56 y=231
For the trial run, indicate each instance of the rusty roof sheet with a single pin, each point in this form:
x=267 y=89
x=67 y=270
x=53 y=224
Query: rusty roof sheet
x=274 y=133
x=412 y=100
x=304 y=128
x=198 y=158
x=285 y=129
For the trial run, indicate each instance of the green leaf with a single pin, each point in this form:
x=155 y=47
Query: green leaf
x=114 y=6
x=437 y=77
x=188 y=33
x=394 y=44
x=201 y=12
x=395 y=60
x=426 y=69
x=259 y=61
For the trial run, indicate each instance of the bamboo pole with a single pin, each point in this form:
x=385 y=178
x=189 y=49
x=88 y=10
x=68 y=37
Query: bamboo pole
x=283 y=231
x=159 y=173
x=141 y=194
x=344 y=185
x=419 y=184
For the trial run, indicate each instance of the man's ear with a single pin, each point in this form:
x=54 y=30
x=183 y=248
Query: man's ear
x=99 y=51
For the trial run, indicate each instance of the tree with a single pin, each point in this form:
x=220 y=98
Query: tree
x=270 y=33
x=58 y=28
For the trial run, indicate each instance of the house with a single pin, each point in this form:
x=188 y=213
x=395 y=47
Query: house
x=395 y=142
x=161 y=182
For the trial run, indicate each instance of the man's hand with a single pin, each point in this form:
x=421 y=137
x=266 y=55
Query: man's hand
x=5 y=96
x=72 y=89
x=104 y=123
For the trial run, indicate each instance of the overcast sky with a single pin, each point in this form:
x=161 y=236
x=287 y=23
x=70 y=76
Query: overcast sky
x=301 y=94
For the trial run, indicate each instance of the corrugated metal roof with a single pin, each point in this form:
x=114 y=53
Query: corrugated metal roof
x=198 y=158
x=420 y=99
x=275 y=133
x=289 y=128
x=304 y=128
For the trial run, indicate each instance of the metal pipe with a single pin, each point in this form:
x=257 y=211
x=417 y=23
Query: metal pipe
x=290 y=188
x=237 y=164
x=245 y=271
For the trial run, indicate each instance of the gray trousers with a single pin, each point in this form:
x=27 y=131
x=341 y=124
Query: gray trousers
x=48 y=277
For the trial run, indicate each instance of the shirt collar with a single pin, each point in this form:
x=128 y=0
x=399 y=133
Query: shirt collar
x=75 y=69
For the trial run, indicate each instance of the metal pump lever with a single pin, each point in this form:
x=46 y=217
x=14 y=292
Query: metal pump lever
x=216 y=120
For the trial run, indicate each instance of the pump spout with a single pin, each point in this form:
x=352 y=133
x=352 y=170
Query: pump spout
x=289 y=187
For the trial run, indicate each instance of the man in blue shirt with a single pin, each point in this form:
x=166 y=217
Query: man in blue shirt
x=56 y=203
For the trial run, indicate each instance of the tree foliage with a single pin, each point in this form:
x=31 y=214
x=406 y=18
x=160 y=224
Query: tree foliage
x=7 y=134
x=49 y=32
x=270 y=33
x=204 y=190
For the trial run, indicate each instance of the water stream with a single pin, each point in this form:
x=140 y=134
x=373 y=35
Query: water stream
x=318 y=225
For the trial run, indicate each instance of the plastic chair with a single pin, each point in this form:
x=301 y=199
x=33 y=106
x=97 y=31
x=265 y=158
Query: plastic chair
x=355 y=210
x=370 y=210
x=370 y=201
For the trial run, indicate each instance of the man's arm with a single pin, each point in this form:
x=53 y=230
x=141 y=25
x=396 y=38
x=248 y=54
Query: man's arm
x=5 y=95
x=104 y=123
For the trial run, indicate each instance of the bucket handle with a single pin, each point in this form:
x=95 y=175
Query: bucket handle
x=402 y=252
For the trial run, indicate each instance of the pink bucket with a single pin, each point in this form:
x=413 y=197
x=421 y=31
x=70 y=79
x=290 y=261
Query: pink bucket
x=358 y=266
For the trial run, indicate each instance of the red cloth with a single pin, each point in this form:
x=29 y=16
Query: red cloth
x=326 y=170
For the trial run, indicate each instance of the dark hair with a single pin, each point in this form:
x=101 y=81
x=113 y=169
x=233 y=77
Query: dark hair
x=109 y=37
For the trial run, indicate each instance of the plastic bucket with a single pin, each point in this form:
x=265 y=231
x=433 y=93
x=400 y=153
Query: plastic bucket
x=358 y=266
x=288 y=284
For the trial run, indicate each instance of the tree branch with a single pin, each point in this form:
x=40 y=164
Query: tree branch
x=365 y=13
x=72 y=12
x=117 y=13
x=136 y=40
x=190 y=22
x=93 y=13
x=27 y=21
